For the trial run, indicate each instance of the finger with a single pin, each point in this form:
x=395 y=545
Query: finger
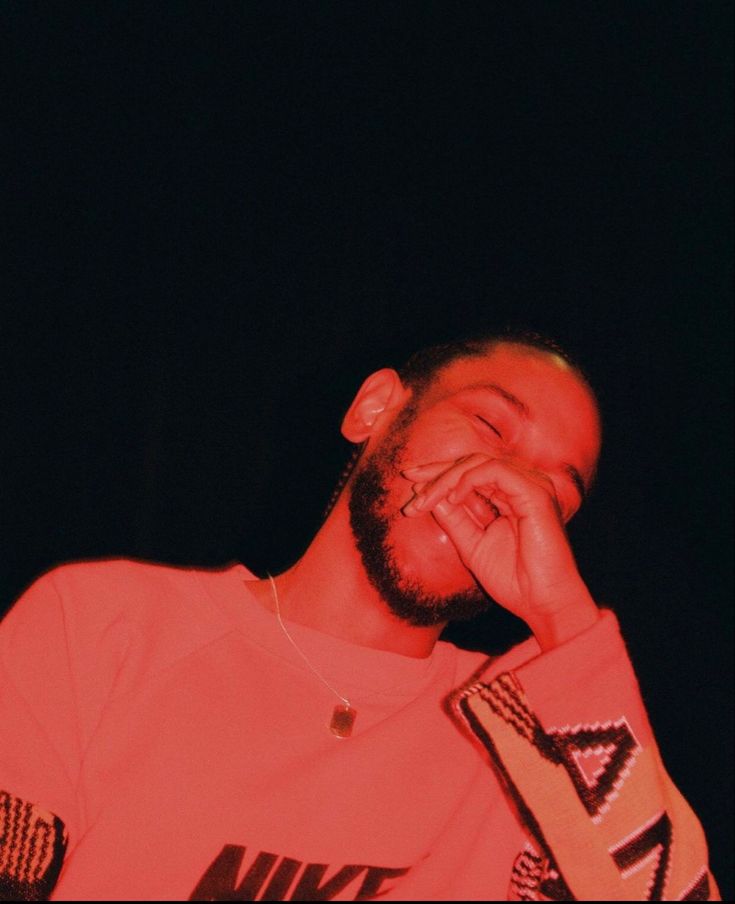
x=522 y=490
x=460 y=527
x=424 y=476
x=482 y=508
x=406 y=508
x=444 y=483
x=426 y=471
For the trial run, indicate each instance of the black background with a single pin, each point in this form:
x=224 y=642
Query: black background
x=221 y=217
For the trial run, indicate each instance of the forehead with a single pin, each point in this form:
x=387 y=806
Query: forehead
x=557 y=399
x=513 y=362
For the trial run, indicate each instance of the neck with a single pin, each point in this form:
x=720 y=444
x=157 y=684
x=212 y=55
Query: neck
x=327 y=589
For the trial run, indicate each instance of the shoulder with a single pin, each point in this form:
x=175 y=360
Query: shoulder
x=120 y=575
x=98 y=607
x=104 y=589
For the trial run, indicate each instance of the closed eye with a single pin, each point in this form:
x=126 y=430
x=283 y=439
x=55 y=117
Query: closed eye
x=491 y=426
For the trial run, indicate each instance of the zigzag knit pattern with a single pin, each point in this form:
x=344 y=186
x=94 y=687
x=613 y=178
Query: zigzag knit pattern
x=32 y=846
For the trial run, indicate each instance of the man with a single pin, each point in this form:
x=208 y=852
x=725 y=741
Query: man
x=178 y=733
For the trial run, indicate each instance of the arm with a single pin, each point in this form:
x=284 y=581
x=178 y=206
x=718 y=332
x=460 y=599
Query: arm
x=570 y=737
x=36 y=748
x=567 y=730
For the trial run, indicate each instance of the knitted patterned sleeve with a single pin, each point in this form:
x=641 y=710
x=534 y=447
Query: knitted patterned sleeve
x=568 y=734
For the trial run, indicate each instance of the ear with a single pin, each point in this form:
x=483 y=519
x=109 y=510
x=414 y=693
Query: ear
x=378 y=398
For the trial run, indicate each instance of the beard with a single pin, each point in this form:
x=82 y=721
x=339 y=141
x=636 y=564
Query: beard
x=371 y=527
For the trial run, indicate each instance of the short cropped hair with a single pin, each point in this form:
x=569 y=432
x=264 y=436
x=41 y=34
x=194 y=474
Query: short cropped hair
x=421 y=368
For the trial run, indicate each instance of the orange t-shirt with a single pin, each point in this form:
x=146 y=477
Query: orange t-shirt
x=156 y=724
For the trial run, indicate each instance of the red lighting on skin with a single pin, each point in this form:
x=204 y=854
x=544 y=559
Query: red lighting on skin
x=515 y=427
x=559 y=427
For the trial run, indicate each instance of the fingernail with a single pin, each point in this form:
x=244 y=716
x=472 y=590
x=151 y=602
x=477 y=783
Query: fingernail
x=419 y=501
x=442 y=507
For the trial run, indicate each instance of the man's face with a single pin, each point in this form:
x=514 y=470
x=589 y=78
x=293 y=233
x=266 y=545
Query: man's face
x=516 y=404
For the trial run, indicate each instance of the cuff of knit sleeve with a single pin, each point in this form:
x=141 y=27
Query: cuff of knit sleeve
x=588 y=679
x=568 y=734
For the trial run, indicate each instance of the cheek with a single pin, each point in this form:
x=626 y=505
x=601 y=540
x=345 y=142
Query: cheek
x=446 y=441
x=424 y=553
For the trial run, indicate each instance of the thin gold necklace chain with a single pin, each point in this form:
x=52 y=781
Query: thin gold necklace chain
x=297 y=648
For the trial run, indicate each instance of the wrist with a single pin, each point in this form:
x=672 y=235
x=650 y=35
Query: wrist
x=576 y=615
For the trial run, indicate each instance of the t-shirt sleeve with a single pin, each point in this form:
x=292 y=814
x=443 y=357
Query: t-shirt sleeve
x=568 y=732
x=61 y=649
x=39 y=744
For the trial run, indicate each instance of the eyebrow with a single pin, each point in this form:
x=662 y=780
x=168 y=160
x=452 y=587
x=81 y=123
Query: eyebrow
x=522 y=409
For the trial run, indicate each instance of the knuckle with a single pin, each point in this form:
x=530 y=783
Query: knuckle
x=462 y=460
x=463 y=484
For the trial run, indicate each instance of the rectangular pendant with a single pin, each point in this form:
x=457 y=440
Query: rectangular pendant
x=343 y=718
